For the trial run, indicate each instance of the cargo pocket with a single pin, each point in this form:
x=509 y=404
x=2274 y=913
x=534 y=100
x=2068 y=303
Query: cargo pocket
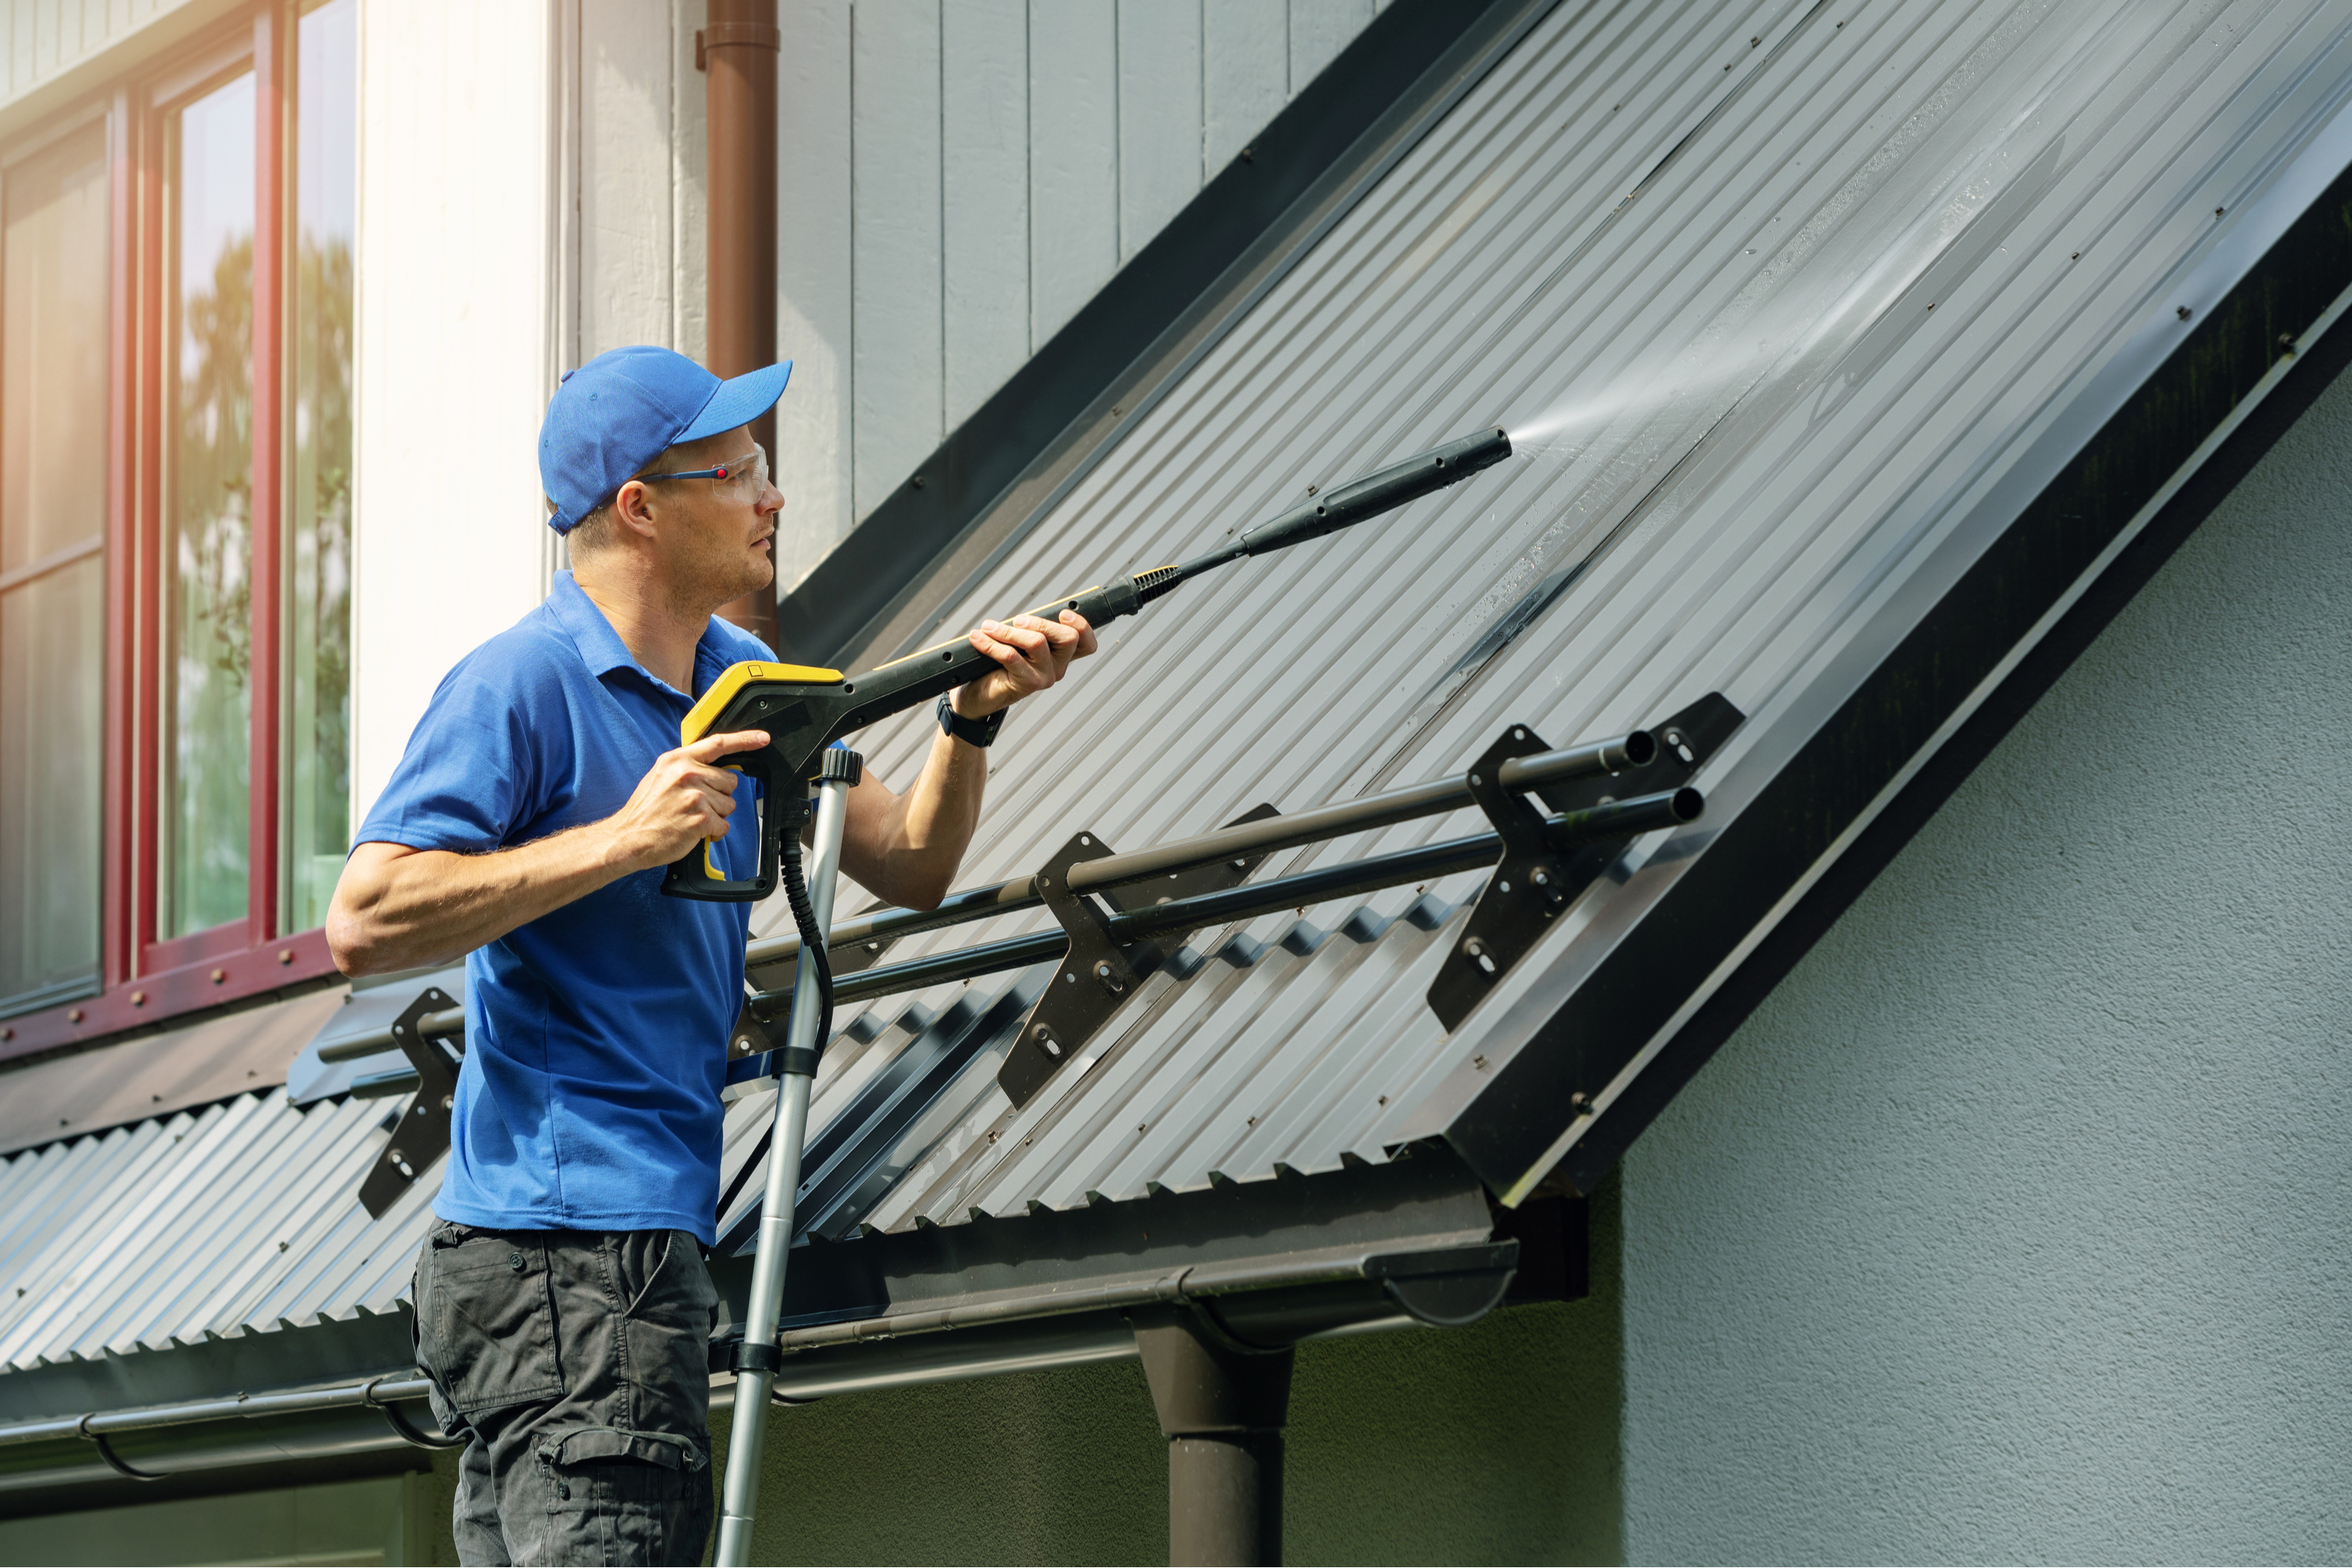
x=485 y=1321
x=672 y=1306
x=617 y=1496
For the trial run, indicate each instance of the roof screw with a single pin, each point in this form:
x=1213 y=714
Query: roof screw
x=139 y=998
x=1579 y=1104
x=2184 y=312
x=285 y=955
x=219 y=976
x=72 y=1017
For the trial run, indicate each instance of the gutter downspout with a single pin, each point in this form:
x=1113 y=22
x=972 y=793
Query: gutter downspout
x=737 y=50
x=1223 y=1404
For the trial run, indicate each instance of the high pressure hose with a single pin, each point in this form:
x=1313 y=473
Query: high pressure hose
x=812 y=940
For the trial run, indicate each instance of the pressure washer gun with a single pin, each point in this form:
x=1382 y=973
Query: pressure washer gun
x=805 y=709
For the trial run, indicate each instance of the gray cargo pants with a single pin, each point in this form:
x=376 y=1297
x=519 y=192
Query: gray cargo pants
x=577 y=1362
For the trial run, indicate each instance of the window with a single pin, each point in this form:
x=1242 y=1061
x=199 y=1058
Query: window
x=176 y=316
x=207 y=555
x=318 y=499
x=53 y=504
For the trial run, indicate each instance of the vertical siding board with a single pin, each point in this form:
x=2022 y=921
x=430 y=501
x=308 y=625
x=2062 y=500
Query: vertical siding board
x=814 y=240
x=625 y=175
x=895 y=175
x=1245 y=74
x=1159 y=116
x=1320 y=29
x=45 y=37
x=984 y=138
x=689 y=225
x=1073 y=157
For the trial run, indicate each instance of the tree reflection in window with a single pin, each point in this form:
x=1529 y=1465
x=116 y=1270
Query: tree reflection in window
x=210 y=677
x=319 y=554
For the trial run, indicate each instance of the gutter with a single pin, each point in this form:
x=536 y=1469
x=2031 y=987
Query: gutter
x=1284 y=1301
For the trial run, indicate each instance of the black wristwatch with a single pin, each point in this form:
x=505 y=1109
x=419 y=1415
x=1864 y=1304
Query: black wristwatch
x=981 y=732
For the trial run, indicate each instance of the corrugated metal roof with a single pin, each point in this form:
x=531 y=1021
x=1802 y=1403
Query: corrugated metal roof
x=1763 y=291
x=239 y=1217
x=1768 y=292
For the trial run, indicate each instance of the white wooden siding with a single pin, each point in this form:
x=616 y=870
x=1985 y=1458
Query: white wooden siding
x=45 y=39
x=960 y=176
x=454 y=347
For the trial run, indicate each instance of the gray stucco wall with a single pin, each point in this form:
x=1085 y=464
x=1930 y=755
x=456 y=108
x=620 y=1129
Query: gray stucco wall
x=2014 y=1227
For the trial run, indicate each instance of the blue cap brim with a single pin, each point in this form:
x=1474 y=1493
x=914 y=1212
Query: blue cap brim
x=738 y=402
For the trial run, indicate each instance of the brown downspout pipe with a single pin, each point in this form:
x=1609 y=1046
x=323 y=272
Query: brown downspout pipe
x=1222 y=1405
x=737 y=50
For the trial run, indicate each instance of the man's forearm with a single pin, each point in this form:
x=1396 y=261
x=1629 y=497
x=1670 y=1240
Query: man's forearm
x=433 y=906
x=909 y=851
x=396 y=908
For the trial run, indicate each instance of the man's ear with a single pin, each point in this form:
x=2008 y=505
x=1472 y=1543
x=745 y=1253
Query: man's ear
x=633 y=508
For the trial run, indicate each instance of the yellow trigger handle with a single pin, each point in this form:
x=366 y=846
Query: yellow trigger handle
x=712 y=706
x=732 y=680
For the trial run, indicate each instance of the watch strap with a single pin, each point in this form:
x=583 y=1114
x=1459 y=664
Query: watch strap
x=981 y=732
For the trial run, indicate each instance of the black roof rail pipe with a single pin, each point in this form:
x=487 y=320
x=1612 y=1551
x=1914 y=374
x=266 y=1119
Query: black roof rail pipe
x=1621 y=819
x=1258 y=837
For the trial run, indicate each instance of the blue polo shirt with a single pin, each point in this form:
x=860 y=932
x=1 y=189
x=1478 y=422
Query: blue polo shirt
x=596 y=1035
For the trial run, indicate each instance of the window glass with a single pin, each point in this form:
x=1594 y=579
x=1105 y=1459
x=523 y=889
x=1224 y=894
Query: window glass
x=208 y=549
x=319 y=502
x=53 y=331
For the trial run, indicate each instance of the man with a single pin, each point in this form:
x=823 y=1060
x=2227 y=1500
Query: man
x=562 y=1303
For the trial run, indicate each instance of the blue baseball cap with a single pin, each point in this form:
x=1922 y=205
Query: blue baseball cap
x=625 y=407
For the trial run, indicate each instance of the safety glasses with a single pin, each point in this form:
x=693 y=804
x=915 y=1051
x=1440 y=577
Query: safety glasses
x=747 y=476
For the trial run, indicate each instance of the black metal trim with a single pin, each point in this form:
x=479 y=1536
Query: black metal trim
x=1381 y=1209
x=1508 y=1128
x=1072 y=397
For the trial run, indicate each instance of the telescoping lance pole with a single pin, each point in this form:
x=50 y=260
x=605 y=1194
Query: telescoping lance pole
x=757 y=1357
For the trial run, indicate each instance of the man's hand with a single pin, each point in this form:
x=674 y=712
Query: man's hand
x=1031 y=653
x=397 y=907
x=685 y=797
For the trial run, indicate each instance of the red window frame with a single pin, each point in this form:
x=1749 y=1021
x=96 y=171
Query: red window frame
x=145 y=979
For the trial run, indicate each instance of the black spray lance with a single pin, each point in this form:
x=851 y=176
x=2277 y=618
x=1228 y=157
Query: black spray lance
x=805 y=709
